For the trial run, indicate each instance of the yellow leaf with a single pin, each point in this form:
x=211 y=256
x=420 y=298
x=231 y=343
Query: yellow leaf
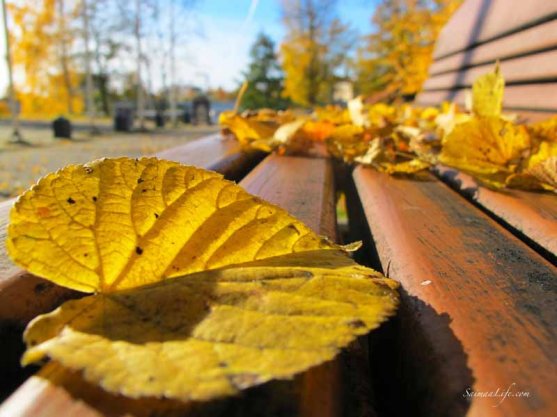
x=545 y=150
x=489 y=148
x=487 y=94
x=546 y=172
x=245 y=129
x=406 y=168
x=204 y=288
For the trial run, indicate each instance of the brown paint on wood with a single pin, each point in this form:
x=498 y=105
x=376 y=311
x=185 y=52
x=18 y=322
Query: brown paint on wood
x=482 y=300
x=532 y=214
x=537 y=38
x=531 y=68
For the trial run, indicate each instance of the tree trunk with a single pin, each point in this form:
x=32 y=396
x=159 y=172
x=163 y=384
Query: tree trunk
x=11 y=90
x=88 y=75
x=140 y=100
x=64 y=56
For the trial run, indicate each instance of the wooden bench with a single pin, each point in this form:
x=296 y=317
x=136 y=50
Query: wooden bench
x=477 y=313
x=477 y=267
x=521 y=35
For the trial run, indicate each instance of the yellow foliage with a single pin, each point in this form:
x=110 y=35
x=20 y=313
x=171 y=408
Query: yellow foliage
x=41 y=45
x=194 y=274
x=398 y=54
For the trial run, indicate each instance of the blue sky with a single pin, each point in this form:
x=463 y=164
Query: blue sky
x=230 y=27
x=226 y=29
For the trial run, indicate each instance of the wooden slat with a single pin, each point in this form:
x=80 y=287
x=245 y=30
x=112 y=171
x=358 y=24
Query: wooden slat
x=224 y=155
x=536 y=67
x=538 y=38
x=55 y=391
x=532 y=214
x=533 y=97
x=481 y=20
x=480 y=304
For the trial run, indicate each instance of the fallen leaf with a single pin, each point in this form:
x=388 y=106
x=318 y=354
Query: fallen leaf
x=203 y=289
x=489 y=148
x=487 y=94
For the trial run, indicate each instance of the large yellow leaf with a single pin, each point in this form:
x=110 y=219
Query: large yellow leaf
x=487 y=94
x=204 y=289
x=489 y=148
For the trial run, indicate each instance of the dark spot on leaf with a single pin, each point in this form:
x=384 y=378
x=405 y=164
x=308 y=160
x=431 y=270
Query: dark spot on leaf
x=144 y=190
x=88 y=170
x=223 y=364
x=293 y=227
x=94 y=198
x=138 y=250
x=156 y=215
x=151 y=379
x=140 y=180
x=86 y=255
x=356 y=324
x=70 y=200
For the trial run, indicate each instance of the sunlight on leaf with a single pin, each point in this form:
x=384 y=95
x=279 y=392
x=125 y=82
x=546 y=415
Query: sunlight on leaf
x=203 y=288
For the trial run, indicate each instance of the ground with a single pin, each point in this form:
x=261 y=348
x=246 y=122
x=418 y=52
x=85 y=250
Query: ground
x=22 y=165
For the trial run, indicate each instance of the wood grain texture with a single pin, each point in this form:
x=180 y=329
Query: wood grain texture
x=533 y=97
x=532 y=214
x=55 y=391
x=481 y=301
x=537 y=38
x=531 y=68
x=481 y=20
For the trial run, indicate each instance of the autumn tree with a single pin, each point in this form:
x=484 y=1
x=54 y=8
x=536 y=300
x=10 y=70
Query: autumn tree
x=43 y=45
x=314 y=51
x=398 y=53
x=264 y=77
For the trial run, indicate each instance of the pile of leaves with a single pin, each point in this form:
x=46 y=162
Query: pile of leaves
x=402 y=139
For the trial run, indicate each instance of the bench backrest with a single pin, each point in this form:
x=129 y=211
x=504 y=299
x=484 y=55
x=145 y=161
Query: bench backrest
x=522 y=35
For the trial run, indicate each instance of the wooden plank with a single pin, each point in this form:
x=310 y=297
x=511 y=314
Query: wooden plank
x=532 y=214
x=224 y=155
x=531 y=68
x=533 y=97
x=478 y=21
x=55 y=391
x=538 y=38
x=477 y=308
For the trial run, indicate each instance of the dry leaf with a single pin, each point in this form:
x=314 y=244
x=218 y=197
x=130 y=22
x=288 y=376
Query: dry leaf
x=204 y=289
x=487 y=94
x=488 y=148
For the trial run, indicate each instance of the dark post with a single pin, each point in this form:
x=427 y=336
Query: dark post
x=201 y=107
x=62 y=128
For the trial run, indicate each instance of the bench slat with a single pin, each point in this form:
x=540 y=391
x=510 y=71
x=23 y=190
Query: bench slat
x=532 y=214
x=479 y=303
x=54 y=390
x=538 y=38
x=531 y=68
x=479 y=21
x=534 y=97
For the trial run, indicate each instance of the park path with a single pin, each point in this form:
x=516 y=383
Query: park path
x=22 y=166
